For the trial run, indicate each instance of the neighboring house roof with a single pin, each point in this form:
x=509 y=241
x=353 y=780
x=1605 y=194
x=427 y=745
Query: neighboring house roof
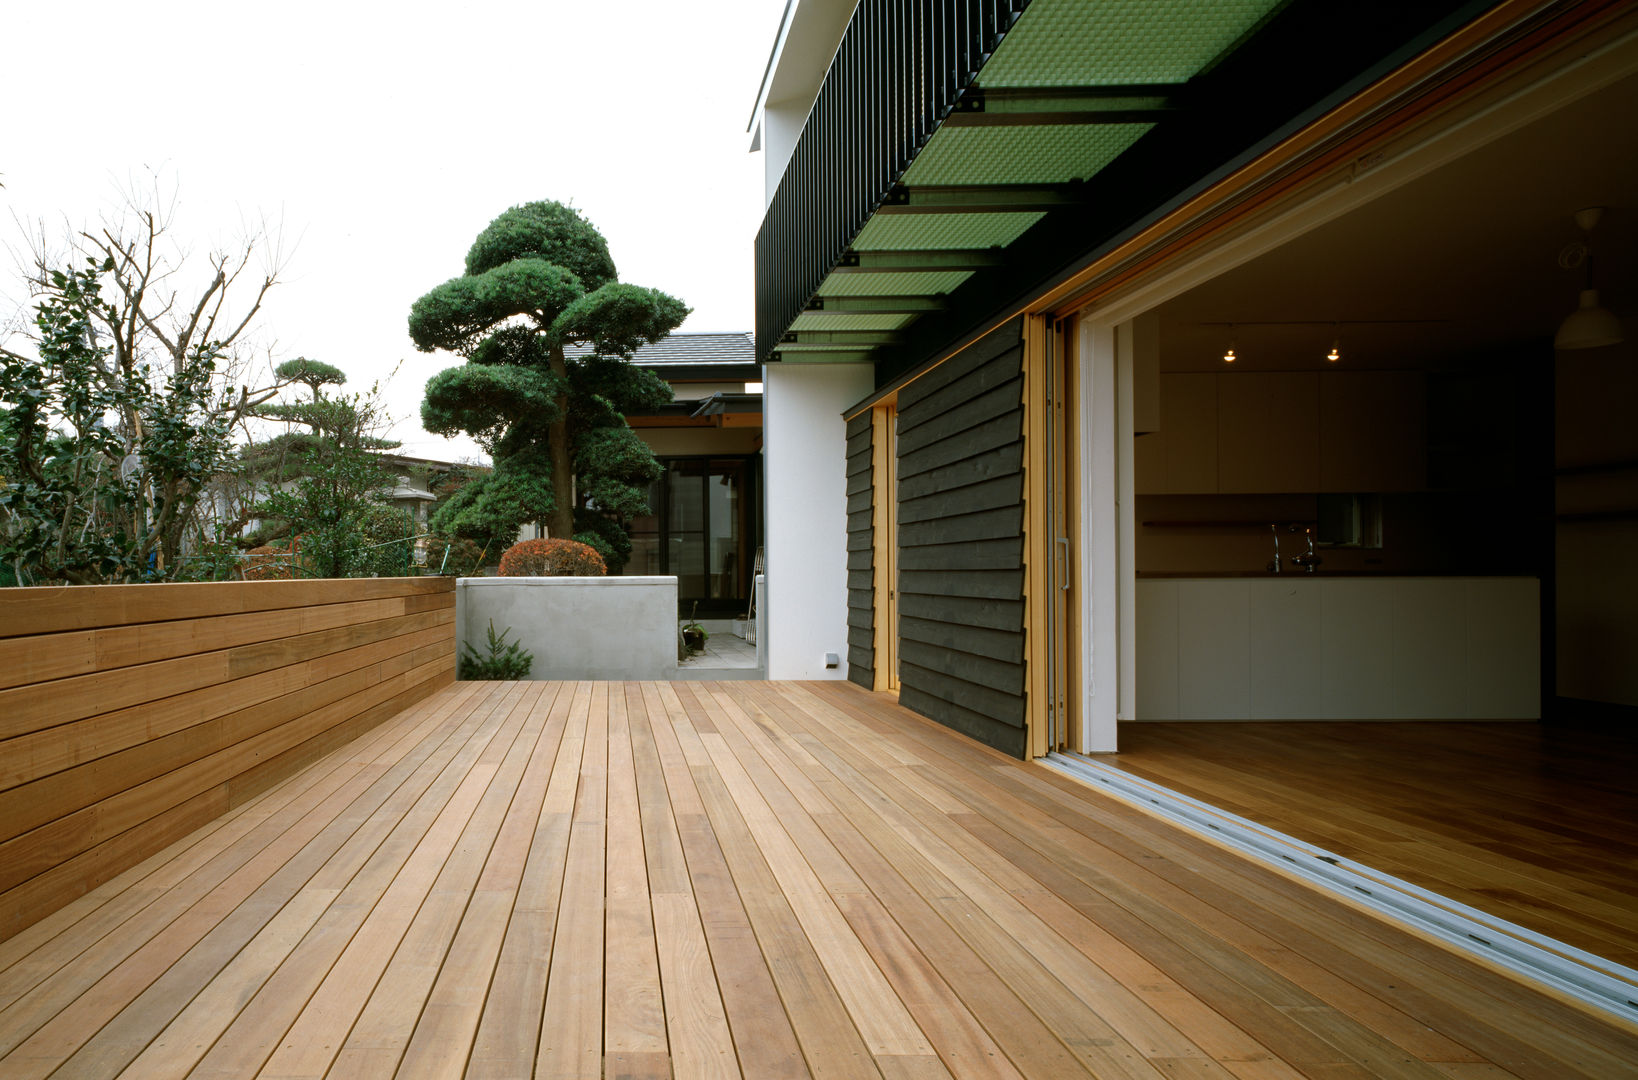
x=689 y=350
x=698 y=358
x=431 y=464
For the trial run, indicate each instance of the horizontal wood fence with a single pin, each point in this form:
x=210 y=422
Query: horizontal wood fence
x=132 y=714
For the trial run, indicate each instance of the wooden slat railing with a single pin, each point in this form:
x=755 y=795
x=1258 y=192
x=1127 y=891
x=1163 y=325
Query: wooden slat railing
x=132 y=714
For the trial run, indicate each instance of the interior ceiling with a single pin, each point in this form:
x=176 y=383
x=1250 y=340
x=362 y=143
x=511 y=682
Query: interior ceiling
x=1467 y=256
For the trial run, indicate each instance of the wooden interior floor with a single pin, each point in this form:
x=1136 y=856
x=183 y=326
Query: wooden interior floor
x=1537 y=824
x=736 y=878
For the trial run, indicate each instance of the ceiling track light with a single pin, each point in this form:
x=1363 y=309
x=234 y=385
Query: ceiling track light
x=1228 y=354
x=1336 y=344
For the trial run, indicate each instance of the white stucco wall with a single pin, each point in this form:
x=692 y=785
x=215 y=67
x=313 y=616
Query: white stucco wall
x=576 y=627
x=804 y=456
x=801 y=55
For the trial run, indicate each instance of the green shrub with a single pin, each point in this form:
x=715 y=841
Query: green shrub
x=506 y=659
x=389 y=540
x=552 y=558
x=458 y=557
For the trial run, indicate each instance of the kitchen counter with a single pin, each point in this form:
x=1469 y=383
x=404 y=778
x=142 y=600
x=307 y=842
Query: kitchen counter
x=1287 y=575
x=1342 y=646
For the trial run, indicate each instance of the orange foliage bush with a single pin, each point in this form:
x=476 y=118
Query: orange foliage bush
x=269 y=563
x=552 y=558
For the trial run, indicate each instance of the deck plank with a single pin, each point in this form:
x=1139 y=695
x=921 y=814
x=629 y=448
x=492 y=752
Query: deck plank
x=378 y=894
x=66 y=1009
x=633 y=1010
x=765 y=1043
x=397 y=1005
x=298 y=1030
x=508 y=1034
x=571 y=1028
x=443 y=1037
x=1238 y=900
x=696 y=1022
x=764 y=880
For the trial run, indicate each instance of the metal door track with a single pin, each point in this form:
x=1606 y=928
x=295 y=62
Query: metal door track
x=1583 y=976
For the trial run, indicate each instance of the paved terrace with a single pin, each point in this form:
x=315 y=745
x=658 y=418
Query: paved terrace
x=734 y=878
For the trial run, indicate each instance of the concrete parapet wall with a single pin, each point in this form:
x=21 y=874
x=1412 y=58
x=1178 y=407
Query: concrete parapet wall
x=577 y=627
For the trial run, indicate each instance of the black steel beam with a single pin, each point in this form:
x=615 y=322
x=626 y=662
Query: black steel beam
x=873 y=305
x=980 y=198
x=916 y=262
x=838 y=337
x=1018 y=106
x=795 y=354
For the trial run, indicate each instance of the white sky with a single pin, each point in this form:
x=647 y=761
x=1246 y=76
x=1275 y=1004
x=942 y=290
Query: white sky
x=385 y=136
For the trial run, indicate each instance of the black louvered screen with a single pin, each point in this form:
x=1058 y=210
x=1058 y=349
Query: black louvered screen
x=899 y=69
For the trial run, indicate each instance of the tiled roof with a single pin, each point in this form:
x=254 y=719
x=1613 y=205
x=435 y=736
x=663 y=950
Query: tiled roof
x=675 y=349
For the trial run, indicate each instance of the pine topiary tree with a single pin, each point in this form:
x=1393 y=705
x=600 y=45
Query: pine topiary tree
x=539 y=280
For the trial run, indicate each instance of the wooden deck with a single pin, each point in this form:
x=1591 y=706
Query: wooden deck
x=1533 y=823
x=738 y=878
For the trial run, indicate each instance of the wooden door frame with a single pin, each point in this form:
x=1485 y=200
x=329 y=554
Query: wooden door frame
x=884 y=522
x=1101 y=651
x=1108 y=565
x=1045 y=338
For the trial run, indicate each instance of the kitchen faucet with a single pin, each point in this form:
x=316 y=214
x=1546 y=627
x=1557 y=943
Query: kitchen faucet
x=1274 y=566
x=1307 y=560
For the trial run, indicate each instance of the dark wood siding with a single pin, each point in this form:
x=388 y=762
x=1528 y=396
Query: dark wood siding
x=961 y=542
x=861 y=641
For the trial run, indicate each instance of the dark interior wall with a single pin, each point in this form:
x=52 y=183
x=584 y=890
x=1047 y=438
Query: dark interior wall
x=861 y=642
x=1596 y=495
x=961 y=542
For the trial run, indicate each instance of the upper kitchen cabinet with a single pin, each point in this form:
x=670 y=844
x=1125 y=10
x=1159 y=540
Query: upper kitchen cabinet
x=1372 y=431
x=1268 y=431
x=1181 y=457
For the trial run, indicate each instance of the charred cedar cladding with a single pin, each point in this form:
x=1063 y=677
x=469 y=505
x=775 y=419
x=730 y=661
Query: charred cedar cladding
x=960 y=514
x=861 y=571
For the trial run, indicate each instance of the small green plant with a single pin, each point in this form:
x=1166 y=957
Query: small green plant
x=506 y=659
x=694 y=635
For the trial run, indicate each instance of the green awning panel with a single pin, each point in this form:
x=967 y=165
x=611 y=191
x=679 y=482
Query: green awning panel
x=908 y=284
x=1121 y=42
x=841 y=320
x=970 y=193
x=942 y=232
x=1043 y=154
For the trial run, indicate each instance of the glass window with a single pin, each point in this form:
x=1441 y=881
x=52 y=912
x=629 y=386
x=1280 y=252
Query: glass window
x=726 y=510
x=686 y=537
x=644 y=529
x=703 y=527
